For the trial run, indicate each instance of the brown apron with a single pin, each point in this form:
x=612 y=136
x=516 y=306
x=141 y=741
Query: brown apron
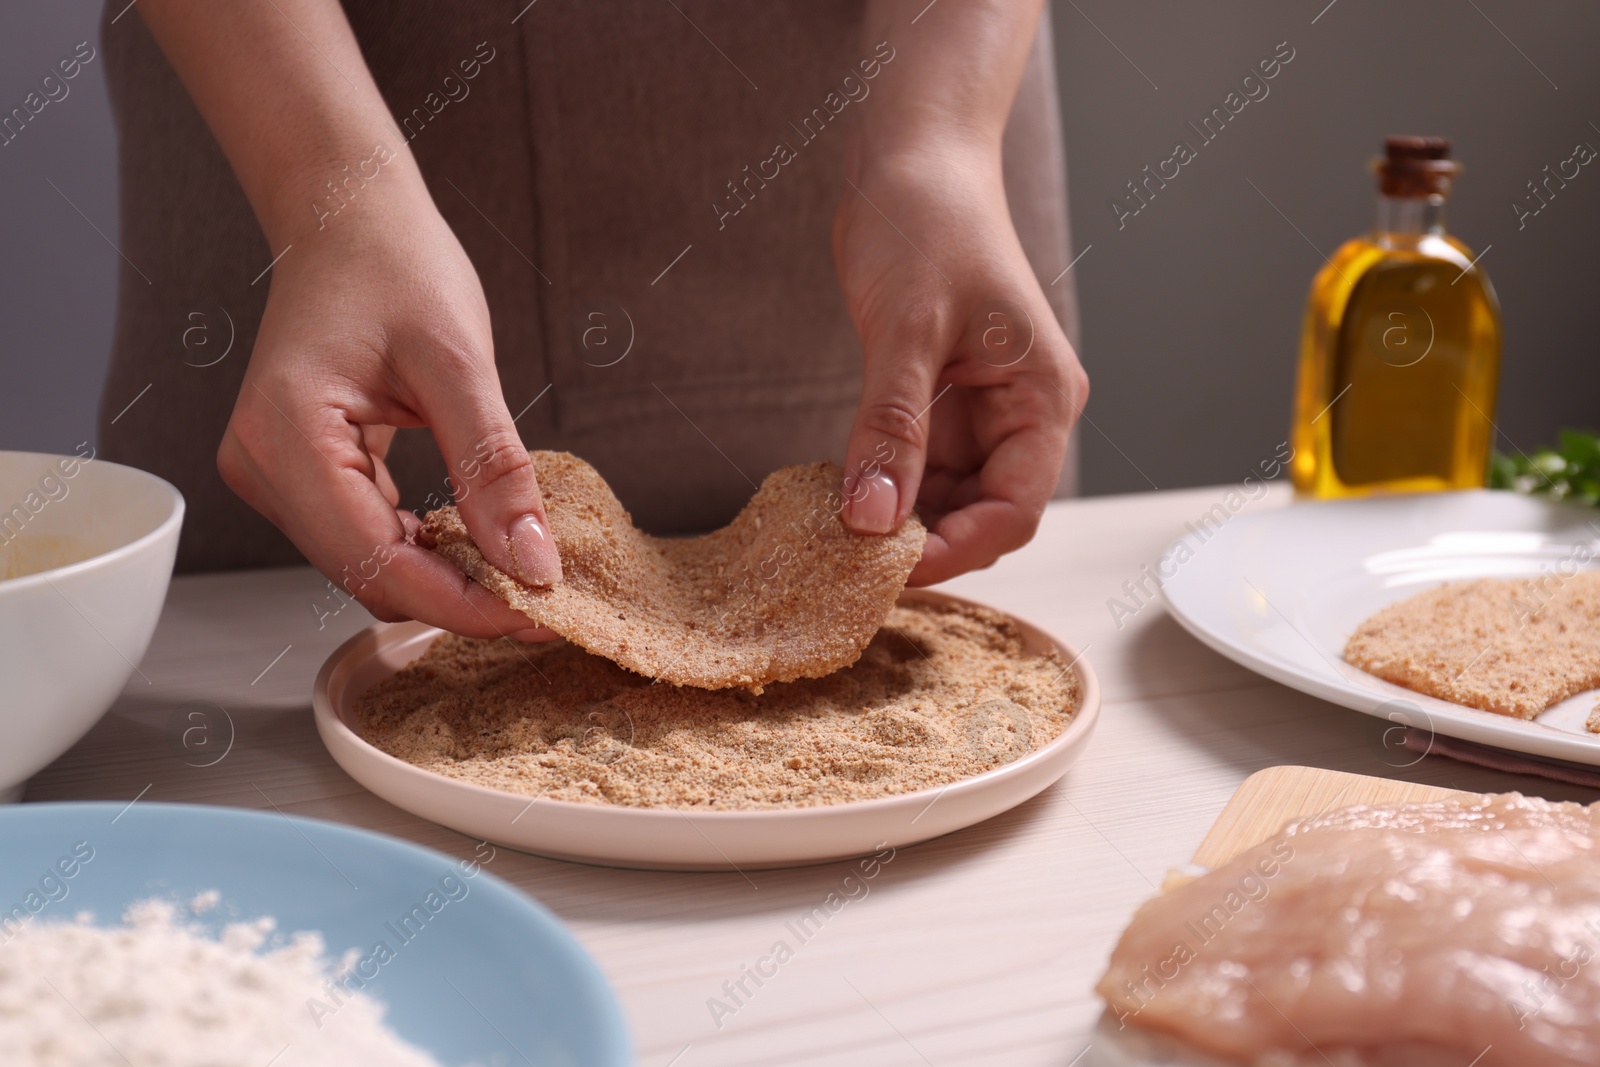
x=585 y=168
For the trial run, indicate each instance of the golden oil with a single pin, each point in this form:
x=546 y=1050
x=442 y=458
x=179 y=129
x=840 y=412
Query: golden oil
x=1400 y=354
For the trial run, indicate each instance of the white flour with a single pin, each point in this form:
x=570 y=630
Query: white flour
x=158 y=993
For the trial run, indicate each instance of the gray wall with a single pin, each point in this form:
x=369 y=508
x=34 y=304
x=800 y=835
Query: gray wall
x=1191 y=310
x=58 y=276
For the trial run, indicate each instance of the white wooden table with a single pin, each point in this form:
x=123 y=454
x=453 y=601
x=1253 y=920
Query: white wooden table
x=979 y=948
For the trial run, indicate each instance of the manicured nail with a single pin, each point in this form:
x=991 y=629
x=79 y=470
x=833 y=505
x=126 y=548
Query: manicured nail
x=872 y=504
x=534 y=559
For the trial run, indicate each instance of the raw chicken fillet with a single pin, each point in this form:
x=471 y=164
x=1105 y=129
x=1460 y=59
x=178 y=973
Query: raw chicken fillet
x=1446 y=933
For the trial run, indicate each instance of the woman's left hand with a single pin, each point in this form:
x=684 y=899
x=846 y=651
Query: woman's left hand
x=971 y=387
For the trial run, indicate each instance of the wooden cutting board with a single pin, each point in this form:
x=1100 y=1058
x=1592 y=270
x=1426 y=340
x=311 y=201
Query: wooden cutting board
x=1270 y=798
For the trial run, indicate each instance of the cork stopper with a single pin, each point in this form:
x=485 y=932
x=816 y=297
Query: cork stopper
x=1415 y=167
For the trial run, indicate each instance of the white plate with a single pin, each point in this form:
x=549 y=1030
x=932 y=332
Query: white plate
x=1281 y=591
x=673 y=839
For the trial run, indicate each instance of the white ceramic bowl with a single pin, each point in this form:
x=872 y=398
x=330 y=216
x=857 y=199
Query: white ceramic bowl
x=667 y=838
x=92 y=545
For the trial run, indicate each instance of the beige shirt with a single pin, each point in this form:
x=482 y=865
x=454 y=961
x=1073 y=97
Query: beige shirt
x=657 y=268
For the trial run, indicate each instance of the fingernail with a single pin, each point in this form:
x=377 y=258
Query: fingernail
x=872 y=504
x=534 y=559
x=535 y=636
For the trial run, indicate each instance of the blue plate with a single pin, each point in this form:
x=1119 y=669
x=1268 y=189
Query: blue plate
x=475 y=972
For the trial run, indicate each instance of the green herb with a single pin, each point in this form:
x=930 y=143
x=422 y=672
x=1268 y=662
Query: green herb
x=1570 y=471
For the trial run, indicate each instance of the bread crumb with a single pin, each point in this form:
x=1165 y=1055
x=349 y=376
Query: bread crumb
x=1511 y=647
x=784 y=591
x=941 y=693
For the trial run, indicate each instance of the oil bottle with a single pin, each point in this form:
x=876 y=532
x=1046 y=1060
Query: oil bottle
x=1400 y=353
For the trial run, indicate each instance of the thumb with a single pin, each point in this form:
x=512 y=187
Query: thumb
x=888 y=444
x=496 y=489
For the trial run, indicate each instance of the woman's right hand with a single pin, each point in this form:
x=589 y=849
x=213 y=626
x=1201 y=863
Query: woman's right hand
x=377 y=321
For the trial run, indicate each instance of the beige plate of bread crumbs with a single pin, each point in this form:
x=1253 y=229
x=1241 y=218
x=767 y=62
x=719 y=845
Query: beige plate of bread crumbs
x=1480 y=602
x=963 y=713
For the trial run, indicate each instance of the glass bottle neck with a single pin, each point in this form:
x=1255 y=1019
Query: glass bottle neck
x=1410 y=216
